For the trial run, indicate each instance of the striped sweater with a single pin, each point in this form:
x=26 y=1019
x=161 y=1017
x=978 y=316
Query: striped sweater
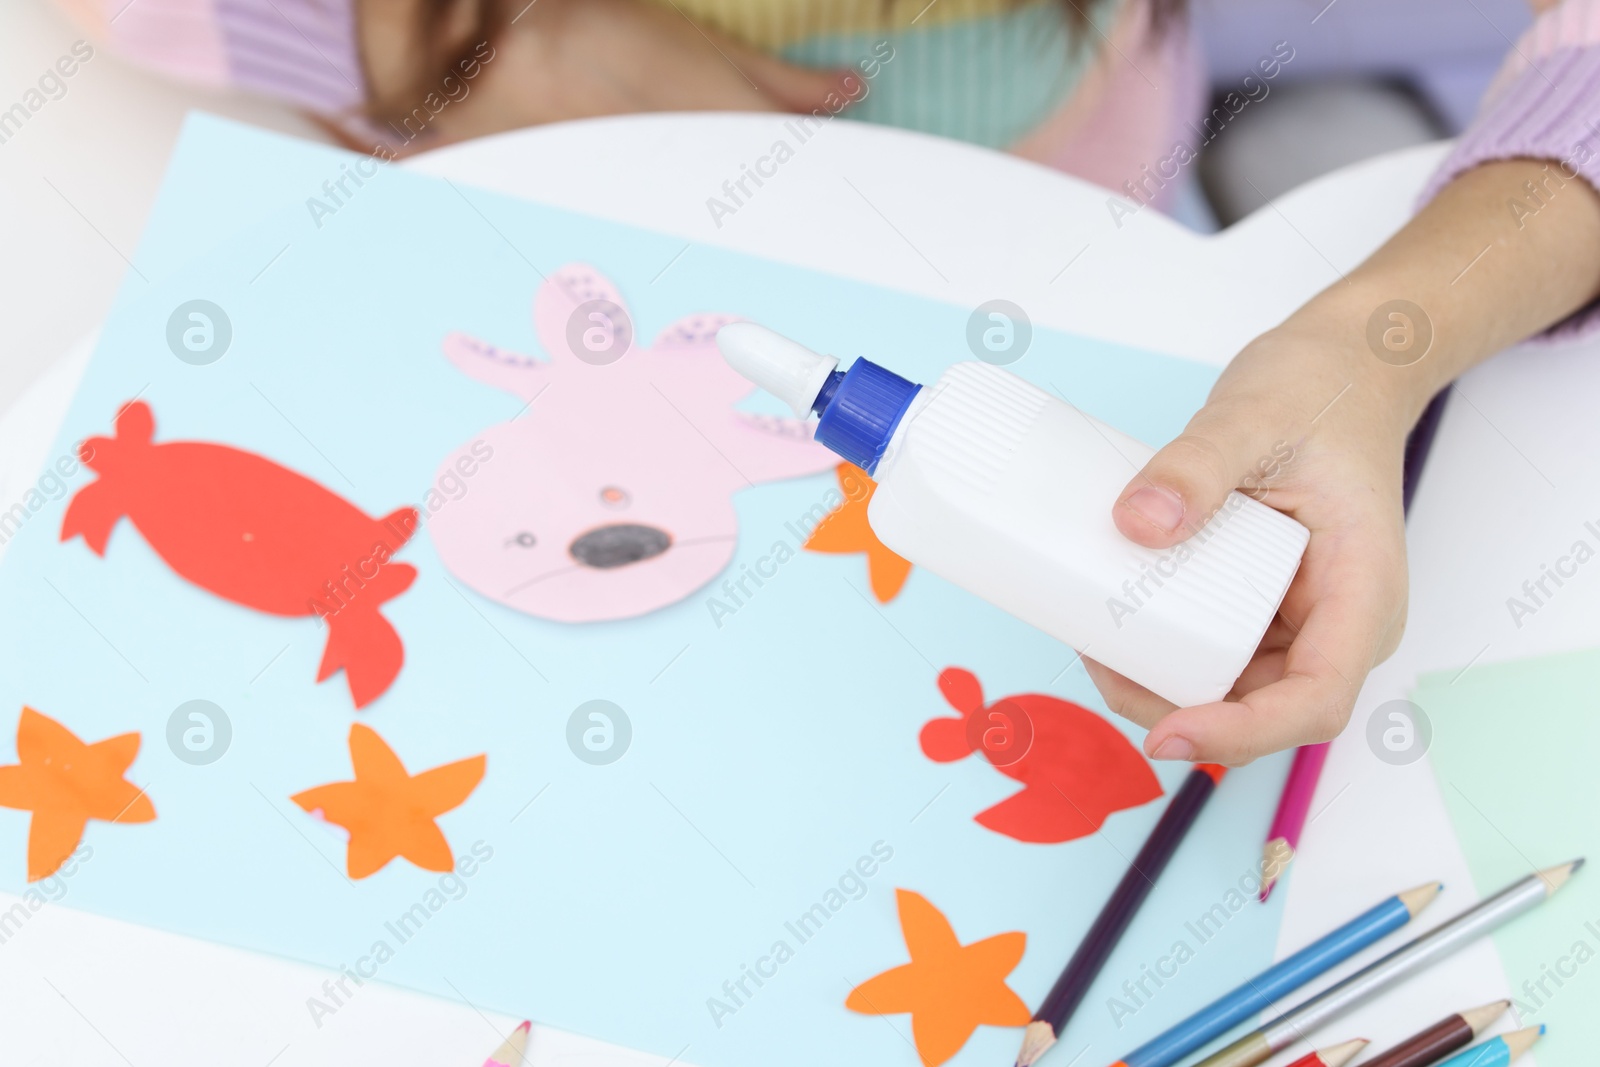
x=1113 y=106
x=1098 y=103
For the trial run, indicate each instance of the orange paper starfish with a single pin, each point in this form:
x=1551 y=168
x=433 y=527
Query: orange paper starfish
x=388 y=812
x=65 y=783
x=846 y=531
x=949 y=988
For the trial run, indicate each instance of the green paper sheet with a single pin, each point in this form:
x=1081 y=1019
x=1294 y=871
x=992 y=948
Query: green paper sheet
x=1514 y=750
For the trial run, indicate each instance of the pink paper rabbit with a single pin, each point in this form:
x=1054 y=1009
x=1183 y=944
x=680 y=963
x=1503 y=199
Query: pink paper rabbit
x=610 y=493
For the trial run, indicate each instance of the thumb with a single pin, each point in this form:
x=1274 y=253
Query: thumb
x=1185 y=483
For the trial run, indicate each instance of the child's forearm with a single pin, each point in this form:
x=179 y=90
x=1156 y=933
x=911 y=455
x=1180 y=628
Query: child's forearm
x=1486 y=262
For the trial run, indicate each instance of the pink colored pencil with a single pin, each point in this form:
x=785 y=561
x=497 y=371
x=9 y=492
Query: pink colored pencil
x=1293 y=808
x=510 y=1053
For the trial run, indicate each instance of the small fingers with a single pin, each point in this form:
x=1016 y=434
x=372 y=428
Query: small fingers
x=1129 y=699
x=1296 y=710
x=1308 y=700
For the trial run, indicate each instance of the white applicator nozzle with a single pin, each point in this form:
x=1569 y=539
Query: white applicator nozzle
x=788 y=370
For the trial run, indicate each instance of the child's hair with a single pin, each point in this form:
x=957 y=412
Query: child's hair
x=432 y=36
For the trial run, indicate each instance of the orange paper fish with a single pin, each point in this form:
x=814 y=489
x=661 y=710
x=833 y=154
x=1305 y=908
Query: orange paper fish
x=846 y=531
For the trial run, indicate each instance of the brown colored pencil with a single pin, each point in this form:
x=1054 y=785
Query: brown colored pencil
x=1442 y=1038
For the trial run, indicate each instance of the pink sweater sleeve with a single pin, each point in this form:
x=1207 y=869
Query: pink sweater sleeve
x=1544 y=104
x=302 y=51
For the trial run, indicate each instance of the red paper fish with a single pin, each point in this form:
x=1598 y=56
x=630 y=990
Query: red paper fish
x=240 y=526
x=1076 y=767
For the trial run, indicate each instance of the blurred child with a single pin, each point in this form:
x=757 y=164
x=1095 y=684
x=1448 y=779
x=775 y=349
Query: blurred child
x=1506 y=245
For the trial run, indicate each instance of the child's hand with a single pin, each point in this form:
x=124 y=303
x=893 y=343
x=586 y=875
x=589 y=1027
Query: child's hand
x=1314 y=386
x=1301 y=421
x=574 y=59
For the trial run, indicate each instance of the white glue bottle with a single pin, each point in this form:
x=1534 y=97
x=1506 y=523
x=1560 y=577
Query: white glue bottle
x=995 y=485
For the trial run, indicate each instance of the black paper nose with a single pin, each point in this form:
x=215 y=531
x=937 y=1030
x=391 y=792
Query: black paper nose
x=619 y=545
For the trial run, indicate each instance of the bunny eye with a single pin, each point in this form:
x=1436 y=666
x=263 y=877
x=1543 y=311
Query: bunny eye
x=612 y=497
x=522 y=540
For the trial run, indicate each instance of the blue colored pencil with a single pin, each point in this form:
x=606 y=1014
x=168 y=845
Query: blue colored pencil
x=1262 y=991
x=1497 y=1051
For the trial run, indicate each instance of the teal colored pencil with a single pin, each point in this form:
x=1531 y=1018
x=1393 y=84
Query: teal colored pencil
x=1497 y=1051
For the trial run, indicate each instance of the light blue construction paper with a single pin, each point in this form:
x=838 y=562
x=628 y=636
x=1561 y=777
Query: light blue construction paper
x=768 y=756
x=224 y=177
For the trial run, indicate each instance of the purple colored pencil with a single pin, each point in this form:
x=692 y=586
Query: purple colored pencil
x=1118 y=912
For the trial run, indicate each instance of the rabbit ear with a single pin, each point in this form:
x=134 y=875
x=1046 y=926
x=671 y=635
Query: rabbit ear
x=517 y=374
x=690 y=346
x=577 y=311
x=691 y=332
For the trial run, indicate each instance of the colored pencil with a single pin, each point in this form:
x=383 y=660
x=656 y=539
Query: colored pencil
x=1283 y=839
x=1497 y=1051
x=512 y=1050
x=1091 y=955
x=1294 y=806
x=1419 y=442
x=1260 y=993
x=1431 y=947
x=1441 y=1039
x=1337 y=1056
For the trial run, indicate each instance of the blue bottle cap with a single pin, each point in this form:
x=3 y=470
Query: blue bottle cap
x=859 y=410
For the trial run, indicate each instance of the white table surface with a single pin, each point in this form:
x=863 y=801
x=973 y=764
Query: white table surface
x=962 y=225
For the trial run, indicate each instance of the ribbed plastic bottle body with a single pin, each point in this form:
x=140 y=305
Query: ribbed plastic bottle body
x=1006 y=491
